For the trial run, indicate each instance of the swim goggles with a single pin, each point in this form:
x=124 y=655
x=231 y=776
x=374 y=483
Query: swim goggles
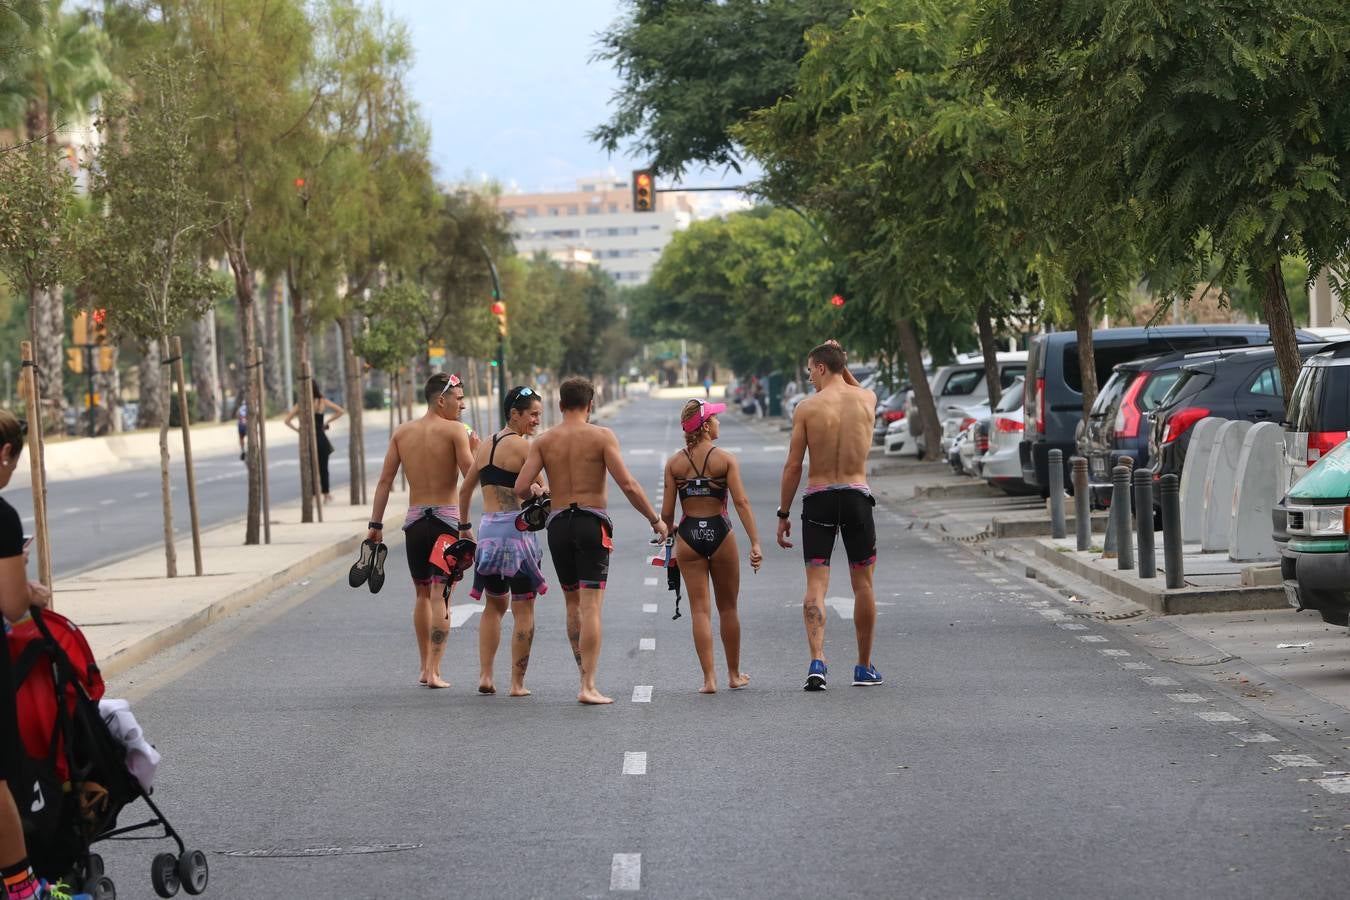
x=450 y=381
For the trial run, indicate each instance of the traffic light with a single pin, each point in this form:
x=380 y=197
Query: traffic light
x=499 y=310
x=99 y=318
x=75 y=359
x=79 y=328
x=837 y=300
x=644 y=191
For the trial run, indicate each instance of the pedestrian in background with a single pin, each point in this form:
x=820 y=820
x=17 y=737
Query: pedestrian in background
x=322 y=405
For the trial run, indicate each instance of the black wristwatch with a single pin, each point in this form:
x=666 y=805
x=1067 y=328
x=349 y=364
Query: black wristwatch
x=783 y=514
x=375 y=526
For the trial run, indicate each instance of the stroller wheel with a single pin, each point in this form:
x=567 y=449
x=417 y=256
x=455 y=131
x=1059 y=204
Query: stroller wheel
x=93 y=867
x=164 y=874
x=102 y=888
x=193 y=872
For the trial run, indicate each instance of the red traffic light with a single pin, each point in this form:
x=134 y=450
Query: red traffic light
x=100 y=316
x=837 y=300
x=499 y=308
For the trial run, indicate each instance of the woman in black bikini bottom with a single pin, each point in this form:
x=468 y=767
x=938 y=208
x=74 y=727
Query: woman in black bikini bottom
x=705 y=547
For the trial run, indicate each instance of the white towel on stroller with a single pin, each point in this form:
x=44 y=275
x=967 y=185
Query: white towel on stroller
x=142 y=758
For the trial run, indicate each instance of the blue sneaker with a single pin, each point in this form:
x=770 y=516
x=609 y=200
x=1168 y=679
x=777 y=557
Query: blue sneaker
x=864 y=676
x=815 y=676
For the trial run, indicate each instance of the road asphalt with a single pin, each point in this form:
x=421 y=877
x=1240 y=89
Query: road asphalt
x=1016 y=750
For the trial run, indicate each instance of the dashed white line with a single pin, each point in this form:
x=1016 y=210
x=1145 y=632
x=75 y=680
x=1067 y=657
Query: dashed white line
x=642 y=693
x=1186 y=698
x=1339 y=784
x=641 y=451
x=1092 y=639
x=1159 y=680
x=634 y=762
x=1254 y=737
x=1114 y=652
x=108 y=502
x=1133 y=666
x=1216 y=717
x=775 y=448
x=1295 y=759
x=1072 y=626
x=647 y=643
x=649 y=607
x=142 y=495
x=649 y=582
x=625 y=872
x=733 y=449
x=72 y=511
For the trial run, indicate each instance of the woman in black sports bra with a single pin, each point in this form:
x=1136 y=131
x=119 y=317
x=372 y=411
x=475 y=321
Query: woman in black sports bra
x=507 y=564
x=705 y=546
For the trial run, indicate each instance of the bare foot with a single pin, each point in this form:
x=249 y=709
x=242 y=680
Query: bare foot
x=485 y=686
x=738 y=680
x=593 y=698
x=709 y=687
x=518 y=690
x=436 y=681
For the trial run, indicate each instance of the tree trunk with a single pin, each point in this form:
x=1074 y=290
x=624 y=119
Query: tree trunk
x=47 y=323
x=1275 y=307
x=923 y=391
x=355 y=391
x=153 y=410
x=165 y=485
x=243 y=292
x=984 y=317
x=304 y=393
x=1081 y=301
x=272 y=371
x=205 y=371
x=109 y=386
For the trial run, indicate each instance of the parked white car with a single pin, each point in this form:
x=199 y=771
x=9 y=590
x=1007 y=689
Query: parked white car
x=962 y=384
x=1001 y=465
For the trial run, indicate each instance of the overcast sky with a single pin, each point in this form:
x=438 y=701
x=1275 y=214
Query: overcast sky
x=510 y=92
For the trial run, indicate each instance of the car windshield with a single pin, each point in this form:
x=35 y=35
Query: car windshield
x=1012 y=397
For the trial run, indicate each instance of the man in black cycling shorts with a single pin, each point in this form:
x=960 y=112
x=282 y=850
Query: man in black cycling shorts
x=835 y=426
x=577 y=456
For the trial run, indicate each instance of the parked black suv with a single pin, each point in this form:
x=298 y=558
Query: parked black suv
x=1053 y=404
x=1242 y=384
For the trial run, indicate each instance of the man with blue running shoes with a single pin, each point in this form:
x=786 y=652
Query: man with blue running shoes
x=833 y=425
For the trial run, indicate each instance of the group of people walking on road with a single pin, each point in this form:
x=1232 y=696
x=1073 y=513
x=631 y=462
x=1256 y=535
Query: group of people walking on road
x=570 y=466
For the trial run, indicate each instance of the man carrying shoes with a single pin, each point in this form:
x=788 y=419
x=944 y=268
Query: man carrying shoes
x=835 y=426
x=577 y=456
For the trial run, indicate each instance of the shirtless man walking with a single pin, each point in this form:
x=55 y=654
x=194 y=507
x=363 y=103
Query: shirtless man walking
x=834 y=426
x=576 y=456
x=434 y=452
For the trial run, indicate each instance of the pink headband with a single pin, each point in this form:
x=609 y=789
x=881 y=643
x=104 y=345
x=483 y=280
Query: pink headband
x=705 y=412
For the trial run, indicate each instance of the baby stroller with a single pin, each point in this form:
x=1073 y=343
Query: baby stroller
x=75 y=779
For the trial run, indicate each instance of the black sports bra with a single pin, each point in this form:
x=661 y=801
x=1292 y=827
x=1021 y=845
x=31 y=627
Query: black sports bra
x=701 y=485
x=494 y=474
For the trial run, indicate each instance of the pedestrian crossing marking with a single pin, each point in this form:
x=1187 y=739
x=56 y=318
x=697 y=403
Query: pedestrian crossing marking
x=642 y=693
x=625 y=872
x=634 y=762
x=647 y=644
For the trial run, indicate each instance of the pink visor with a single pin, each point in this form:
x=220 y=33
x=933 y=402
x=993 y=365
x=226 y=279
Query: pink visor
x=705 y=412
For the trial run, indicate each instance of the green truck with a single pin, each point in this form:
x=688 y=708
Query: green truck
x=1312 y=526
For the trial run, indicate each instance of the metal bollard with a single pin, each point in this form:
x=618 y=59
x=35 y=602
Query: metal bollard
x=1143 y=523
x=1120 y=514
x=1169 y=493
x=1057 y=494
x=1082 y=502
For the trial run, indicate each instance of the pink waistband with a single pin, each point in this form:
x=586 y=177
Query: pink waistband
x=858 y=486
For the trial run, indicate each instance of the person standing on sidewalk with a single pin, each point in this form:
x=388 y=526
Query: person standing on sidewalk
x=576 y=456
x=507 y=564
x=17 y=595
x=833 y=425
x=705 y=546
x=433 y=452
x=322 y=405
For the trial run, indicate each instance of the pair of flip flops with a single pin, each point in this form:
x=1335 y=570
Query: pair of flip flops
x=369 y=566
x=533 y=514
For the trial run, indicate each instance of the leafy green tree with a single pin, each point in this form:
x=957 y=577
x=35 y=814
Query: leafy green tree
x=144 y=255
x=1217 y=123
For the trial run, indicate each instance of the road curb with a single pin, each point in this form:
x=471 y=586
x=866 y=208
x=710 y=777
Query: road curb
x=133 y=655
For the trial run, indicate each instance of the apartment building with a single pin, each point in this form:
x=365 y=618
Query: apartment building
x=596 y=222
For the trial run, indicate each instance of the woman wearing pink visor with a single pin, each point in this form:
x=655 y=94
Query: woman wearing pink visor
x=704 y=544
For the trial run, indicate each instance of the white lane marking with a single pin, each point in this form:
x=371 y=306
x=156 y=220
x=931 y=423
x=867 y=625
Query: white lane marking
x=641 y=451
x=647 y=644
x=72 y=511
x=634 y=762
x=733 y=449
x=1159 y=681
x=1339 y=784
x=1092 y=639
x=649 y=607
x=1134 y=666
x=997 y=580
x=625 y=873
x=1186 y=698
x=649 y=582
x=775 y=448
x=1072 y=626
x=1254 y=737
x=1216 y=717
x=142 y=495
x=642 y=693
x=1114 y=652
x=1053 y=613
x=1295 y=759
x=842 y=605
x=461 y=614
x=108 y=502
